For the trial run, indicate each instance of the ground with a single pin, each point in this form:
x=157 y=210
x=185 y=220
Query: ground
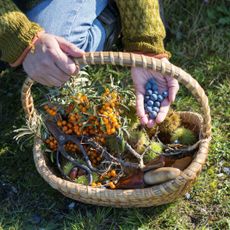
x=200 y=45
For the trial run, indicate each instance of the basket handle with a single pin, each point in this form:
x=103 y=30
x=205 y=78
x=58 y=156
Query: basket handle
x=133 y=60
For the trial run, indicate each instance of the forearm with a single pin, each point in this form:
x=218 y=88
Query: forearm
x=16 y=31
x=142 y=28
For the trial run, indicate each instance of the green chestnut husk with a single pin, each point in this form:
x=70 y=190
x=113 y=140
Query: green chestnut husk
x=171 y=122
x=155 y=149
x=139 y=140
x=183 y=136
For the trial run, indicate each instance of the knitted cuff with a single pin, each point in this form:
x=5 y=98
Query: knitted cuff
x=17 y=32
x=29 y=48
x=145 y=47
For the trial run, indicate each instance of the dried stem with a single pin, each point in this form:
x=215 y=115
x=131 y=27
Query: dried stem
x=134 y=153
x=110 y=157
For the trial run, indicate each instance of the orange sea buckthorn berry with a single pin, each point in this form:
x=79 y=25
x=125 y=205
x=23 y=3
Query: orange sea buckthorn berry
x=113 y=173
x=113 y=131
x=72 y=118
x=52 y=113
x=112 y=185
x=64 y=122
x=59 y=123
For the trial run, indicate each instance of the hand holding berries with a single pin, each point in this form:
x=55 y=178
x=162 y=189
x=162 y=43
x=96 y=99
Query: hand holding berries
x=167 y=88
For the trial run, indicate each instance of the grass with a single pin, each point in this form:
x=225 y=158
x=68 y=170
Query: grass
x=200 y=45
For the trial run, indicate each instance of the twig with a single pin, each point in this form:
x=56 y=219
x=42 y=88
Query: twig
x=134 y=153
x=110 y=157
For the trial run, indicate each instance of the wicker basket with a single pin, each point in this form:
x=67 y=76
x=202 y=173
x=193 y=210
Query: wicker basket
x=151 y=196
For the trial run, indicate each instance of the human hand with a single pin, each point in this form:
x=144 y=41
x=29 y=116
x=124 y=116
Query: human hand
x=50 y=64
x=140 y=77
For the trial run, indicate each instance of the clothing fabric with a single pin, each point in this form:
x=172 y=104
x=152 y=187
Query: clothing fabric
x=76 y=21
x=142 y=28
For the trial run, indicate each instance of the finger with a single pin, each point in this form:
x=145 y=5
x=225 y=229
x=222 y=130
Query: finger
x=163 y=111
x=53 y=81
x=150 y=123
x=140 y=108
x=144 y=120
x=63 y=62
x=69 y=48
x=58 y=74
x=77 y=70
x=41 y=80
x=173 y=88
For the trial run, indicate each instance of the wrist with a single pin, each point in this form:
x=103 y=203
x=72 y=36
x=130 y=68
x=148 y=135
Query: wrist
x=29 y=48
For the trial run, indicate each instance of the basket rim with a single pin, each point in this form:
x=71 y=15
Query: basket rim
x=154 y=195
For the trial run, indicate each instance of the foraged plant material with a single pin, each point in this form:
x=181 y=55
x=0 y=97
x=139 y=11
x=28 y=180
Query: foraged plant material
x=139 y=140
x=171 y=122
x=89 y=115
x=95 y=127
x=114 y=145
x=81 y=180
x=68 y=166
x=153 y=99
x=132 y=117
x=152 y=131
x=183 y=136
x=155 y=148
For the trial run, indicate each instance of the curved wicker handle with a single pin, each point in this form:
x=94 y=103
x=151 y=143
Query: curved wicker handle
x=134 y=60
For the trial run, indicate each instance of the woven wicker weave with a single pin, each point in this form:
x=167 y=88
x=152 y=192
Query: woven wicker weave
x=151 y=196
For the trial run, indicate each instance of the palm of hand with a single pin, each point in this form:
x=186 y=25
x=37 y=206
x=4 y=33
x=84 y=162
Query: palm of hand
x=140 y=77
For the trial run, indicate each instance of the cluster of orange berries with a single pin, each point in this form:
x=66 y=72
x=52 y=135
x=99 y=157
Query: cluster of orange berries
x=67 y=127
x=94 y=156
x=110 y=175
x=96 y=184
x=52 y=143
x=52 y=111
x=109 y=111
x=104 y=121
x=71 y=147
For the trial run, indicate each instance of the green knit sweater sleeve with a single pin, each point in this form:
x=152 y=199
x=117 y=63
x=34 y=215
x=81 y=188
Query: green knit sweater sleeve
x=16 y=31
x=142 y=28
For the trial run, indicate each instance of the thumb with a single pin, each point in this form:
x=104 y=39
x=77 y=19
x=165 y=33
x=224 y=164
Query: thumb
x=69 y=48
